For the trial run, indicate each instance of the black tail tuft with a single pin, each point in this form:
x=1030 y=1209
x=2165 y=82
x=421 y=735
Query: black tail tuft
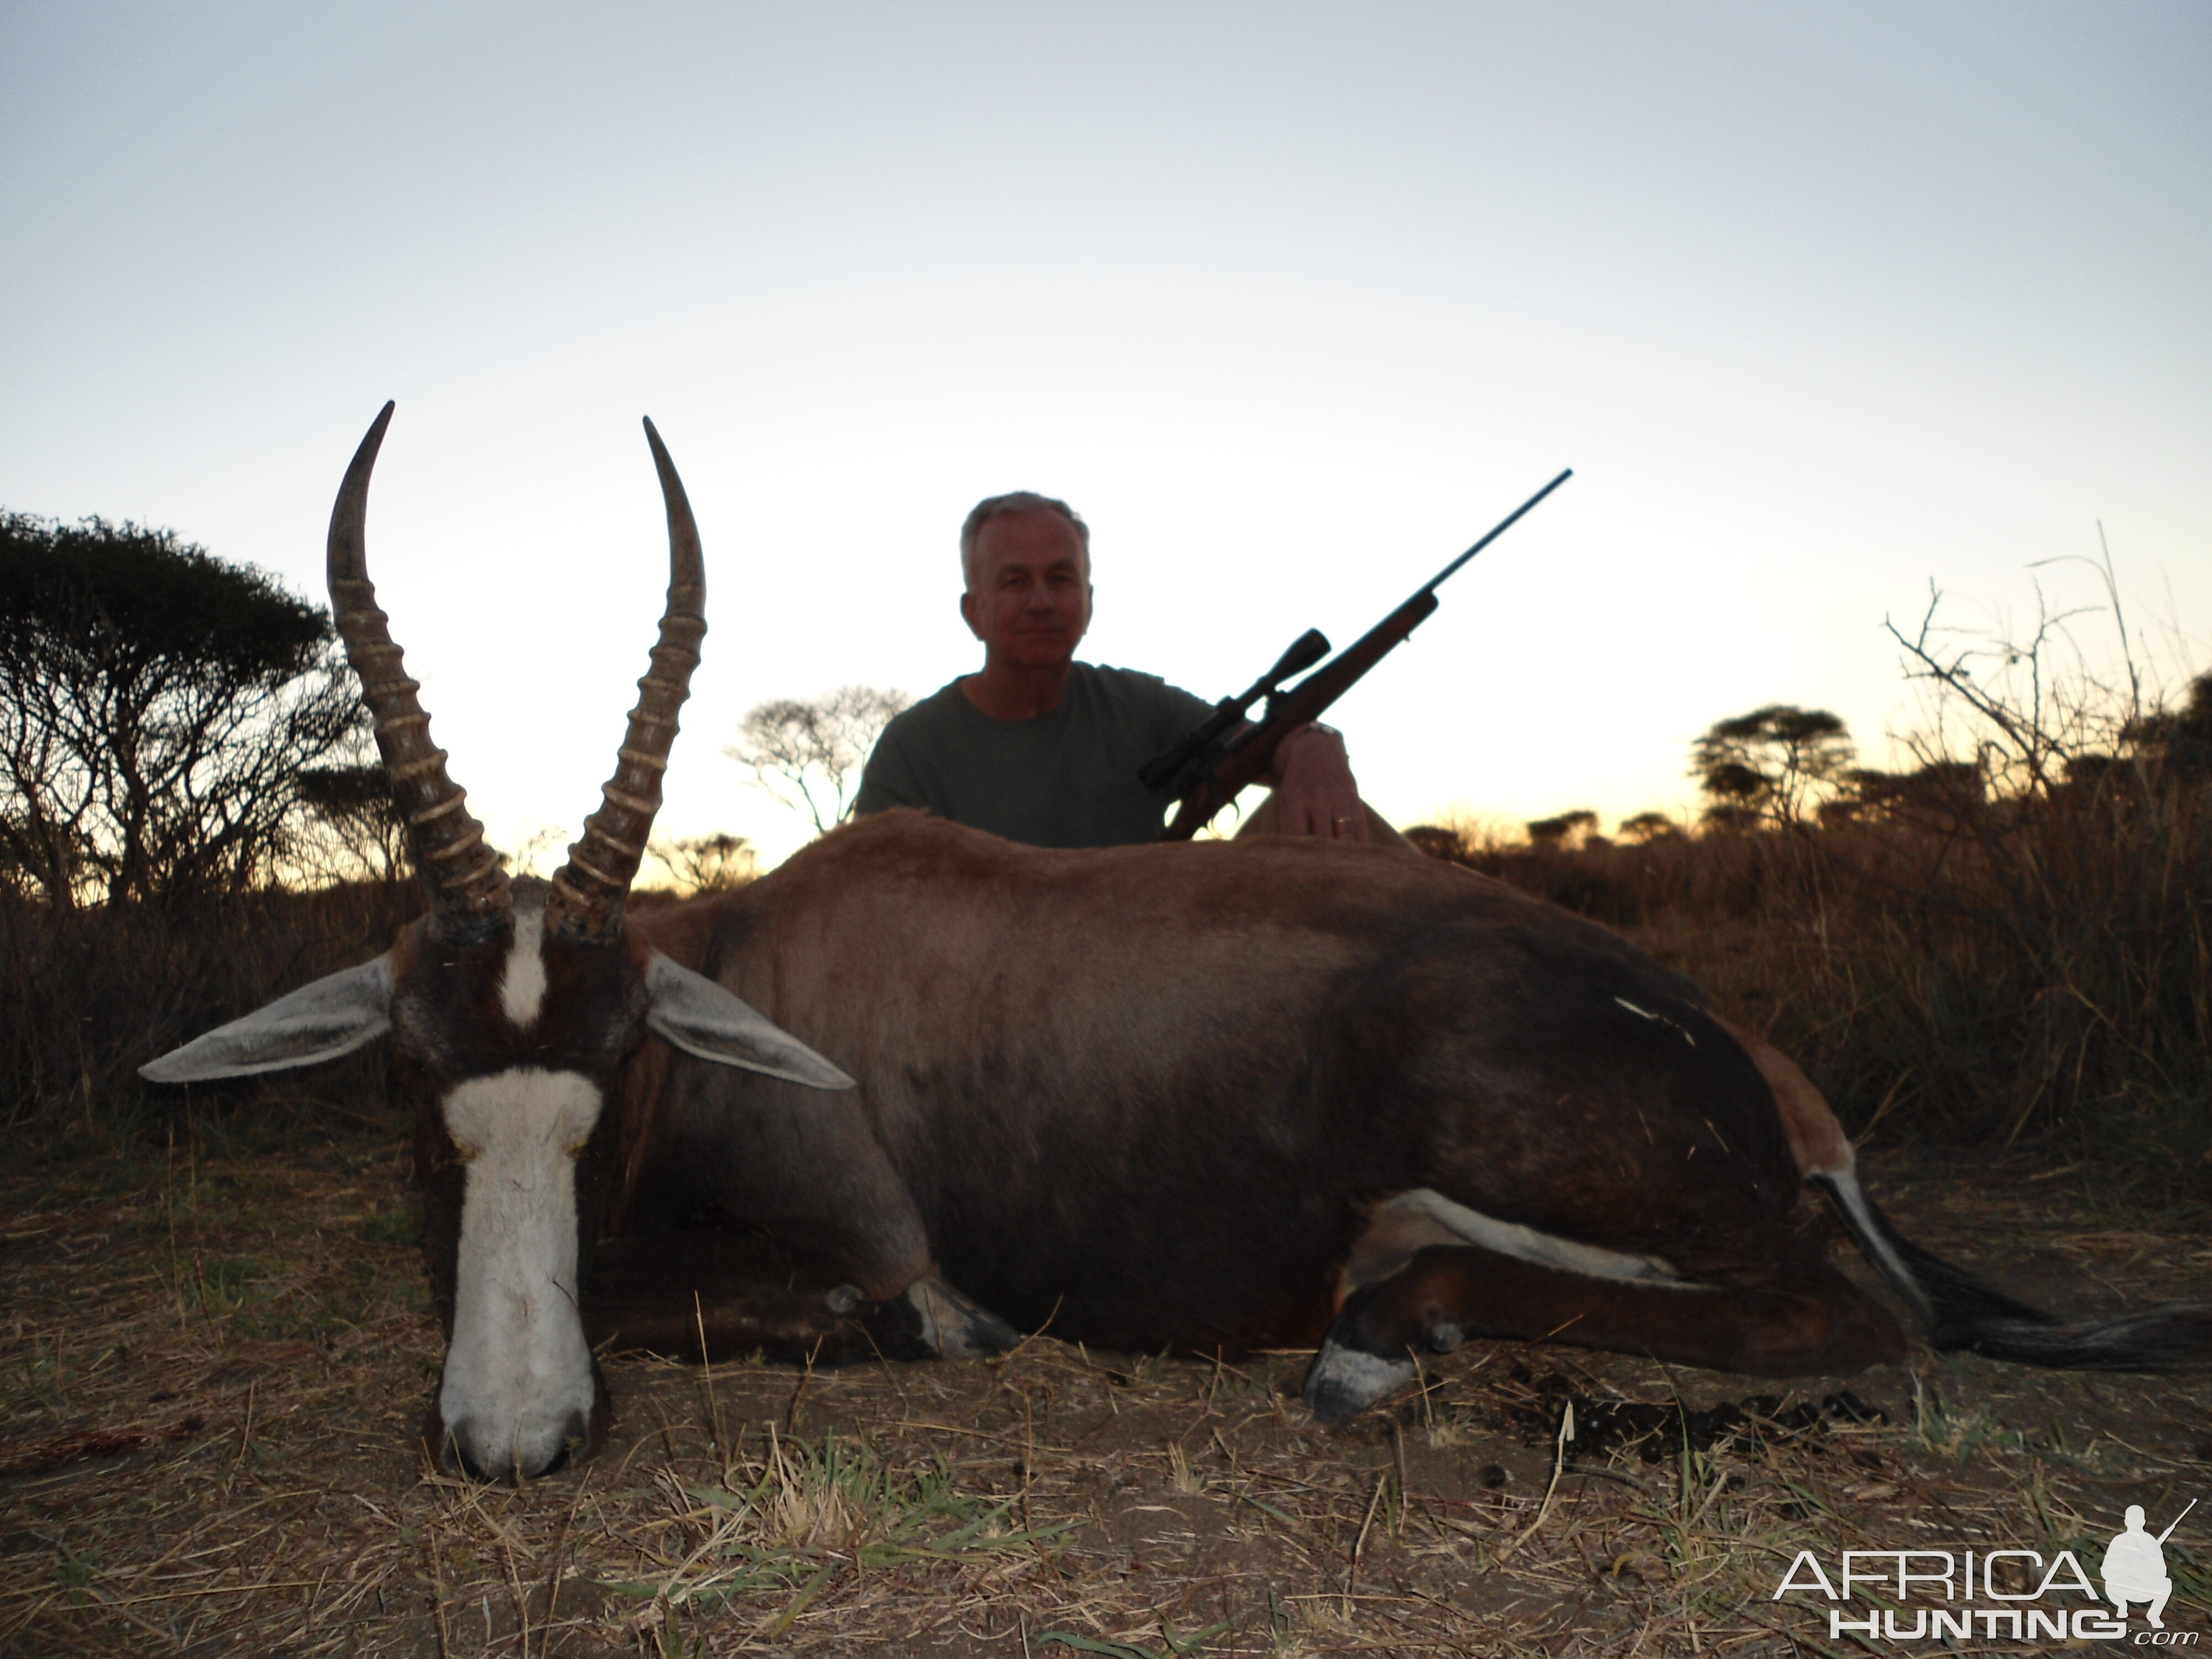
x=1962 y=1312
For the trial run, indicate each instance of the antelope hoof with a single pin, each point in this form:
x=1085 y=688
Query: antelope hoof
x=1443 y=1337
x=1343 y=1381
x=954 y=1327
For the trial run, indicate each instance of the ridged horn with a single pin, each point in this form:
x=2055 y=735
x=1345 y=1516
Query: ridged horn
x=586 y=901
x=460 y=875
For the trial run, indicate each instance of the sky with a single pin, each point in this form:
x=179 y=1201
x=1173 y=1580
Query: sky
x=1824 y=304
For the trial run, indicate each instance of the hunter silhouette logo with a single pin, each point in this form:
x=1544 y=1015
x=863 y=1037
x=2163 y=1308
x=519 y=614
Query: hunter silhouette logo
x=2135 y=1566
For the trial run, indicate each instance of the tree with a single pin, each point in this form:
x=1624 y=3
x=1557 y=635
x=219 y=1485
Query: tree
x=1646 y=828
x=158 y=710
x=1568 y=830
x=808 y=755
x=1940 y=792
x=363 y=833
x=713 y=863
x=1440 y=841
x=1769 y=765
x=2179 y=739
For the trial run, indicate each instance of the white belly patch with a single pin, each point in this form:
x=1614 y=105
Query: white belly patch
x=1410 y=1220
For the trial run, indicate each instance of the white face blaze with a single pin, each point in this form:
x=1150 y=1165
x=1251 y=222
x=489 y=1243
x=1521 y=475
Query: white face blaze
x=518 y=1382
x=522 y=991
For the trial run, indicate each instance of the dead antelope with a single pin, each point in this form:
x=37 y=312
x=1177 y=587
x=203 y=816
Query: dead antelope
x=1228 y=1095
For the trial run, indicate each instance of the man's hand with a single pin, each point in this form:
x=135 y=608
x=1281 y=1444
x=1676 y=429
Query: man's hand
x=1315 y=793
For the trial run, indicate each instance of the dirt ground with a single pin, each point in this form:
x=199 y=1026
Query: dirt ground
x=215 y=1366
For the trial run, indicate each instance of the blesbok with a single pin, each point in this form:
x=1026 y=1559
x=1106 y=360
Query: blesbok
x=1228 y=1095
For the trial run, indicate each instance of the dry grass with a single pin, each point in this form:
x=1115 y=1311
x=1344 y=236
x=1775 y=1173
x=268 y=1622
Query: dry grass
x=2037 y=970
x=214 y=1367
x=93 y=994
x=216 y=1361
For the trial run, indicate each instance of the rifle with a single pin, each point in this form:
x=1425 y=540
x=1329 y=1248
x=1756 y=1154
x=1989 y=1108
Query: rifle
x=2178 y=1520
x=1209 y=765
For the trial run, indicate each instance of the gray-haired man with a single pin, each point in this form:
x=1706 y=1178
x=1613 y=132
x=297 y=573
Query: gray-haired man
x=1041 y=748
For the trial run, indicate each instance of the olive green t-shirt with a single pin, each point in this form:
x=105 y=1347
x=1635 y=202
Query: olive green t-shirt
x=1067 y=778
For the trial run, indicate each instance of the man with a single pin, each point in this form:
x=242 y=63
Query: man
x=1041 y=748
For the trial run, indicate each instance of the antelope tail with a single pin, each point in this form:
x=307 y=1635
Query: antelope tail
x=1963 y=1313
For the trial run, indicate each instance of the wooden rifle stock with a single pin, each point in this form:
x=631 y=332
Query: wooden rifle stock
x=1251 y=756
x=1254 y=753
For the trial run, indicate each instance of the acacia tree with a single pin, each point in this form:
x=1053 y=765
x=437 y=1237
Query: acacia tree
x=363 y=833
x=2178 y=739
x=1645 y=828
x=158 y=708
x=714 y=863
x=1769 y=764
x=808 y=754
x=1568 y=830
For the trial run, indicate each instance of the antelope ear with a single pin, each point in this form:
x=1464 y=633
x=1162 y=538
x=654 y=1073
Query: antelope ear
x=332 y=1017
x=702 y=1019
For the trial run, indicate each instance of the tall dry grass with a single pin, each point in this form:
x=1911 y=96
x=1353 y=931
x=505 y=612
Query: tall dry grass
x=2024 y=968
x=1968 y=972
x=91 y=994
x=2017 y=943
x=2012 y=937
x=1967 y=976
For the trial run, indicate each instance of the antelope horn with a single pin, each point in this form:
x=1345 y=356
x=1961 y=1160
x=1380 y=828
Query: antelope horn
x=586 y=901
x=460 y=875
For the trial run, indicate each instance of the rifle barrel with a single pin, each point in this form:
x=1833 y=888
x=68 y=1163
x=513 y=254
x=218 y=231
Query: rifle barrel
x=1216 y=782
x=1510 y=521
x=2178 y=1520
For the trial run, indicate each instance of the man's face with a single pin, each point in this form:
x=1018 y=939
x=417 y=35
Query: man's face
x=1031 y=600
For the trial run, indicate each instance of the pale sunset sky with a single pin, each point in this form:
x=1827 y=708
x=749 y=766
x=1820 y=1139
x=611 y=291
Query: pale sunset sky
x=1823 y=303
